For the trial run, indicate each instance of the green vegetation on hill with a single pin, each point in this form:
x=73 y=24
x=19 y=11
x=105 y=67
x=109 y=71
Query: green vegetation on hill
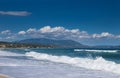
x=53 y=42
x=50 y=43
x=22 y=45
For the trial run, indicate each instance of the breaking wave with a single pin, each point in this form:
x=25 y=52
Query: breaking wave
x=8 y=53
x=88 y=50
x=95 y=64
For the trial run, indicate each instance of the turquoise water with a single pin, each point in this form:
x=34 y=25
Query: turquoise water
x=86 y=63
x=111 y=55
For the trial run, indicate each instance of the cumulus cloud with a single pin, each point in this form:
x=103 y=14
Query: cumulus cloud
x=31 y=30
x=6 y=32
x=21 y=32
x=15 y=13
x=7 y=35
x=48 y=29
x=55 y=32
x=118 y=36
x=10 y=37
x=63 y=33
x=103 y=35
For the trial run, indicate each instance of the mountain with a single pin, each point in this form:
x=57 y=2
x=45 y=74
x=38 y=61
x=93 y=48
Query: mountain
x=57 y=43
x=50 y=43
x=21 y=45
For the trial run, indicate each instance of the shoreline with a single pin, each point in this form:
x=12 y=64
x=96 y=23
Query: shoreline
x=3 y=76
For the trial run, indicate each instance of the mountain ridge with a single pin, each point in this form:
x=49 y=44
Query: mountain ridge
x=54 y=42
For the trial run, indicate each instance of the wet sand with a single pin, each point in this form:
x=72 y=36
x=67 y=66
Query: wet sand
x=1 y=76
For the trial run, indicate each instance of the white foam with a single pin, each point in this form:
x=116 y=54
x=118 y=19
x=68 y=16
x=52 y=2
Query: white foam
x=27 y=49
x=95 y=64
x=8 y=64
x=9 y=61
x=88 y=50
x=8 y=53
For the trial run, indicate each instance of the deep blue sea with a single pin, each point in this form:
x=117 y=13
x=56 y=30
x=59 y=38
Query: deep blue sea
x=60 y=63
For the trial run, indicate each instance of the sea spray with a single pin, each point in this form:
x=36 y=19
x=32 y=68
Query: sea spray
x=8 y=53
x=88 y=50
x=96 y=64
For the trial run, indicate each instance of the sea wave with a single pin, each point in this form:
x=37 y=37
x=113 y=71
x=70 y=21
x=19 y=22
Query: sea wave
x=5 y=61
x=95 y=64
x=8 y=64
x=8 y=53
x=88 y=50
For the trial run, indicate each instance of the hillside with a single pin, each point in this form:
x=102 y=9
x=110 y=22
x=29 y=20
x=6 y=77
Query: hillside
x=22 y=45
x=58 y=43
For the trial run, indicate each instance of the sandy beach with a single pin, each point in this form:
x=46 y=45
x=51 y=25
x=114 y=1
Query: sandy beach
x=1 y=76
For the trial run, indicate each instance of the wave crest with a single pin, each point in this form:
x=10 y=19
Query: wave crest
x=88 y=50
x=95 y=64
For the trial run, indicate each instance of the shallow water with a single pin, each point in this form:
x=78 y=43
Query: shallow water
x=58 y=63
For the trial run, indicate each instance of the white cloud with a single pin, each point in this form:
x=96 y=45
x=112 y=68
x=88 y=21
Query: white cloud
x=106 y=34
x=56 y=32
x=103 y=35
x=59 y=32
x=31 y=30
x=21 y=32
x=45 y=29
x=48 y=29
x=63 y=33
x=6 y=32
x=10 y=37
x=75 y=30
x=118 y=36
x=15 y=13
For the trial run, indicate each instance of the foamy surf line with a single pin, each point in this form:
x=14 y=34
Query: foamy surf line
x=8 y=53
x=5 y=76
x=4 y=61
x=88 y=50
x=94 y=64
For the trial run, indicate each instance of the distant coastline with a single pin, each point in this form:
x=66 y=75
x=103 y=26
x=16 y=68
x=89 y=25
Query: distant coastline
x=22 y=45
x=51 y=43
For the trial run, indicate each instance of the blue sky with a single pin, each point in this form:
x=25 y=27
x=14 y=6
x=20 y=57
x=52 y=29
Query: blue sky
x=92 y=22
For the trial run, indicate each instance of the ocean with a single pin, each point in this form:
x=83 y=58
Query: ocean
x=60 y=63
